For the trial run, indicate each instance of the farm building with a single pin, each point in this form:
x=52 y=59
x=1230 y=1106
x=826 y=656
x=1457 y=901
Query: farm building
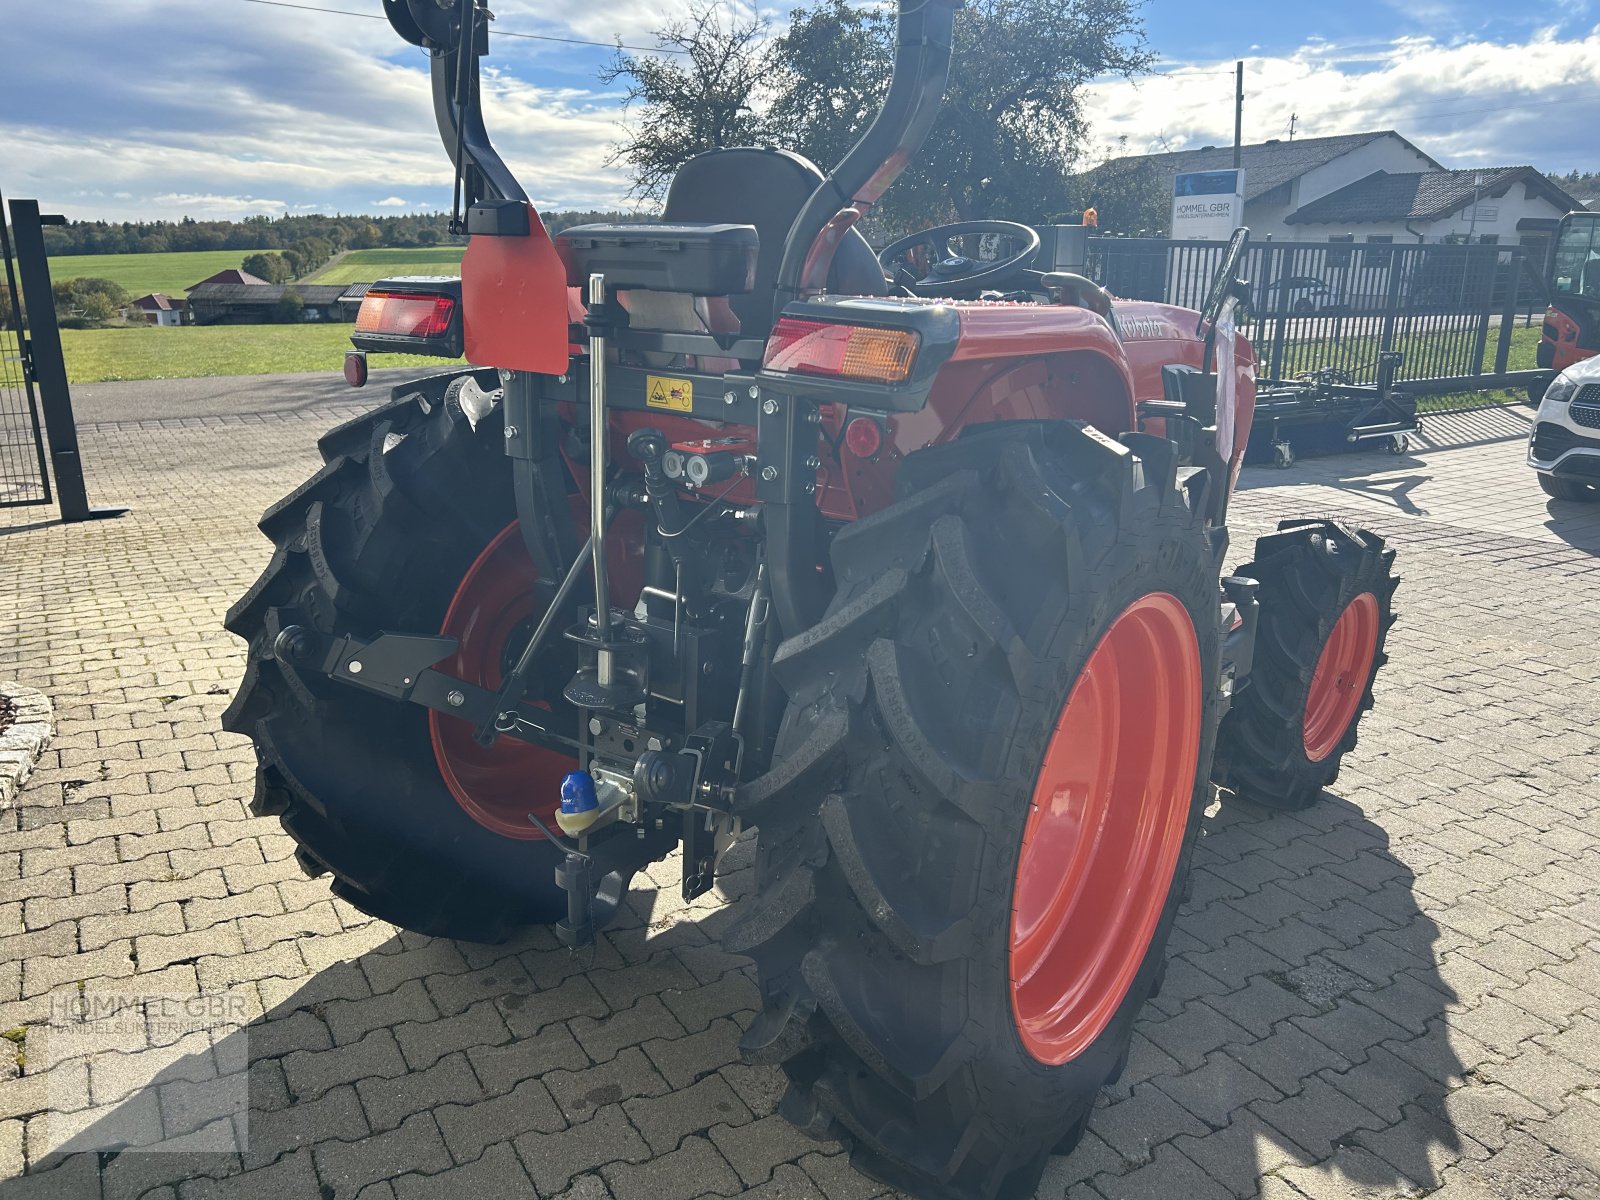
x=350 y=302
x=231 y=275
x=213 y=303
x=159 y=308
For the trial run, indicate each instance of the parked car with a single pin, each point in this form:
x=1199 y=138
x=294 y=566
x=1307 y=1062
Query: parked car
x=1564 y=447
x=1300 y=295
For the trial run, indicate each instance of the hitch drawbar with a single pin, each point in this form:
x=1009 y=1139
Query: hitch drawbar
x=399 y=666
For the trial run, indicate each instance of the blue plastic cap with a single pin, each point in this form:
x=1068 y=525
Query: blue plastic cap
x=577 y=793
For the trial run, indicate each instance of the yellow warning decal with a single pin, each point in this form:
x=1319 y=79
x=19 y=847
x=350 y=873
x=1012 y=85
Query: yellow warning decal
x=663 y=391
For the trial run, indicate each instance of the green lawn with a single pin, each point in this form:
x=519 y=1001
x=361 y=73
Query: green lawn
x=100 y=355
x=368 y=266
x=142 y=274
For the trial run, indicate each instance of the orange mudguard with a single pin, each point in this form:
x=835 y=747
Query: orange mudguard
x=514 y=301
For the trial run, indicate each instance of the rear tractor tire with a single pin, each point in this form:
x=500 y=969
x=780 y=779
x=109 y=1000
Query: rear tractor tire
x=408 y=527
x=1326 y=595
x=1022 y=648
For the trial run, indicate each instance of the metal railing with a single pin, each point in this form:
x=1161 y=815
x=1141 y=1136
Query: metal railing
x=1335 y=307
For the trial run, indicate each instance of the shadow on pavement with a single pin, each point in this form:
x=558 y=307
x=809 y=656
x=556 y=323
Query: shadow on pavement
x=1301 y=1021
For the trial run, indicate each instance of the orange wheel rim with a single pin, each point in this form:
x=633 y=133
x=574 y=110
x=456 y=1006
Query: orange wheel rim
x=1105 y=828
x=1340 y=679
x=497 y=785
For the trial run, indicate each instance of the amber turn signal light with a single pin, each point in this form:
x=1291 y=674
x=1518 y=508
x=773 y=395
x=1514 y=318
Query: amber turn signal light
x=843 y=351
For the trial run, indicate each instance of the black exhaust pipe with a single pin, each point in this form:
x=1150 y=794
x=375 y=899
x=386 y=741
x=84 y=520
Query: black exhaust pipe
x=921 y=69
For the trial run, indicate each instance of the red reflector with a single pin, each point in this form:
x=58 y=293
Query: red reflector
x=863 y=437
x=355 y=368
x=404 y=315
x=849 y=351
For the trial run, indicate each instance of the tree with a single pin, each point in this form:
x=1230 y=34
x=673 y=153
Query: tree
x=1003 y=144
x=1130 y=195
x=88 y=301
x=832 y=67
x=274 y=268
x=1008 y=134
x=290 y=308
x=697 y=101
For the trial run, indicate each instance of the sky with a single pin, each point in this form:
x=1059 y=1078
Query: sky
x=145 y=109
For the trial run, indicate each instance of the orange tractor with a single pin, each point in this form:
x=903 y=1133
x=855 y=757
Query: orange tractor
x=911 y=561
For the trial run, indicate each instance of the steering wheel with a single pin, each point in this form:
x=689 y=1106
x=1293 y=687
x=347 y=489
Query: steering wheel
x=952 y=271
x=1223 y=283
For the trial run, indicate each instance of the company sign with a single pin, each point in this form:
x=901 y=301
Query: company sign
x=1207 y=205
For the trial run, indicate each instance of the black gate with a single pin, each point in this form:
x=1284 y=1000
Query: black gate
x=24 y=476
x=35 y=380
x=1335 y=307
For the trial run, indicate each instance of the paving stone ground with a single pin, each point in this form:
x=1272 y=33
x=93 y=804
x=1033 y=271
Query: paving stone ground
x=1392 y=994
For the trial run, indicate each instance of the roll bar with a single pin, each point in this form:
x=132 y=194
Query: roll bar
x=457 y=101
x=923 y=35
x=456 y=36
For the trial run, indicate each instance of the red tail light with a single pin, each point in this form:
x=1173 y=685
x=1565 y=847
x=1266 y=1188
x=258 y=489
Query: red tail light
x=400 y=315
x=863 y=437
x=846 y=351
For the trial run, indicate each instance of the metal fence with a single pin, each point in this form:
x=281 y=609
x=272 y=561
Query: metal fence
x=24 y=476
x=1334 y=307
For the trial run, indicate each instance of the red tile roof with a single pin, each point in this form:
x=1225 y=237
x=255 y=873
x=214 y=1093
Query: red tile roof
x=231 y=275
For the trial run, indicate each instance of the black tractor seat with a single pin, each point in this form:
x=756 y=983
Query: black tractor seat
x=721 y=233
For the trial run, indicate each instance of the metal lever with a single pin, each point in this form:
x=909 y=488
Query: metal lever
x=597 y=471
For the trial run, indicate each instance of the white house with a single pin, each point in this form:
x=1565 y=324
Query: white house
x=159 y=309
x=1375 y=187
x=1488 y=205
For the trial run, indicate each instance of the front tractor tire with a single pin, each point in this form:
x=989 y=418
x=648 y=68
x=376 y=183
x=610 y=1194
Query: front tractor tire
x=984 y=799
x=408 y=527
x=1326 y=593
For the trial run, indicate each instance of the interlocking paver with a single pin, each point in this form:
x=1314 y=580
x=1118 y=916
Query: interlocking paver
x=500 y=1068
x=1420 y=947
x=693 y=1169
x=1217 y=1089
x=389 y=1100
x=346 y=1167
x=1146 y=1119
x=425 y=1042
x=312 y=1072
x=552 y=1159
x=580 y=1093
x=468 y=1128
x=497 y=1173
x=336 y=1114
x=683 y=1058
x=754 y=1150
x=1318 y=1118
x=665 y=1120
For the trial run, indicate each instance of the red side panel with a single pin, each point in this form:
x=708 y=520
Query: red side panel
x=514 y=302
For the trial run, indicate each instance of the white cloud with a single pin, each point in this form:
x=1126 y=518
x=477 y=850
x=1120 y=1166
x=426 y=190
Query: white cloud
x=1465 y=103
x=237 y=110
x=212 y=205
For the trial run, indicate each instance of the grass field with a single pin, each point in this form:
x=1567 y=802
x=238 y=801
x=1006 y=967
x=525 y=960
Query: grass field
x=141 y=274
x=367 y=266
x=102 y=355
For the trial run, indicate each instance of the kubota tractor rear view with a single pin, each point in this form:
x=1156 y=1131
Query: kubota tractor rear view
x=916 y=569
